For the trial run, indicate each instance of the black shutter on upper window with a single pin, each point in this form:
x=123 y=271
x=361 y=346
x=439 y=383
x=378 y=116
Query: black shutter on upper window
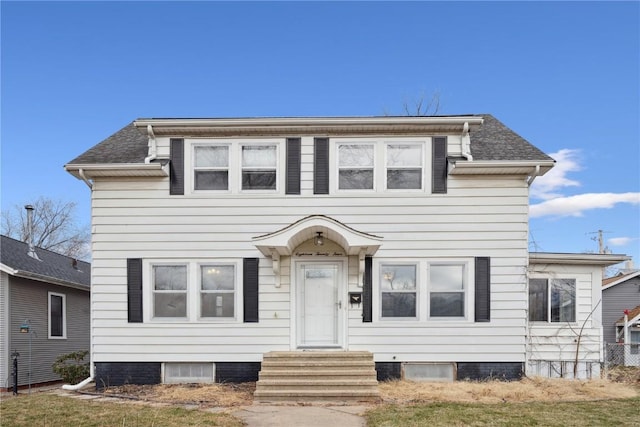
x=176 y=166
x=439 y=165
x=367 y=289
x=134 y=290
x=292 y=175
x=483 y=289
x=321 y=166
x=250 y=289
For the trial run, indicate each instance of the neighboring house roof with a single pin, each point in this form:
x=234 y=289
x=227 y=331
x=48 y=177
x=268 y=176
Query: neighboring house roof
x=633 y=316
x=52 y=267
x=491 y=140
x=620 y=278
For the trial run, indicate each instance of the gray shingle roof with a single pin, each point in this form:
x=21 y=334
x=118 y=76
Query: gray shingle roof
x=492 y=141
x=56 y=267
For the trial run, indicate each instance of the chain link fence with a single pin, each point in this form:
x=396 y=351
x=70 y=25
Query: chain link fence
x=621 y=354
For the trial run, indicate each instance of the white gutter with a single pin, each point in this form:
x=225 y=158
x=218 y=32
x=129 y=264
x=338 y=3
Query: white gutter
x=533 y=175
x=84 y=178
x=466 y=142
x=153 y=148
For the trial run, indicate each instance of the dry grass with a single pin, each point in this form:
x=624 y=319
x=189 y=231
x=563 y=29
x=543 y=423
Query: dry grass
x=221 y=395
x=526 y=390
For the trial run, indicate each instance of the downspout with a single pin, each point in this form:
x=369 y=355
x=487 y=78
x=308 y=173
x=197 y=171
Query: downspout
x=533 y=176
x=466 y=142
x=153 y=147
x=85 y=179
x=81 y=384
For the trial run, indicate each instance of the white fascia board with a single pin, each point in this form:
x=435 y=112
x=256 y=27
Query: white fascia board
x=118 y=169
x=493 y=167
x=576 y=259
x=6 y=269
x=311 y=121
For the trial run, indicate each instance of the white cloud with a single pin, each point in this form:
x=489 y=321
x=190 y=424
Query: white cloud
x=545 y=187
x=620 y=241
x=578 y=204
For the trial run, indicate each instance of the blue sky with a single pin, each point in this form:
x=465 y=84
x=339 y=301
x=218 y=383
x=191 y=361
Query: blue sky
x=563 y=75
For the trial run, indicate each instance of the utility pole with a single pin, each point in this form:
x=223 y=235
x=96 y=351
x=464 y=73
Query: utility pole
x=601 y=247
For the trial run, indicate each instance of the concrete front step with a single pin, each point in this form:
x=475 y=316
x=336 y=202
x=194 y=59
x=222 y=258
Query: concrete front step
x=317 y=376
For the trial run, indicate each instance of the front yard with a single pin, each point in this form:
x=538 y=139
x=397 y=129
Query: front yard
x=528 y=402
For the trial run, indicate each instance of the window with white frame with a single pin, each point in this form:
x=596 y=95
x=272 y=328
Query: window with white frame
x=447 y=289
x=57 y=315
x=259 y=167
x=356 y=166
x=398 y=290
x=217 y=290
x=404 y=166
x=211 y=167
x=170 y=290
x=552 y=300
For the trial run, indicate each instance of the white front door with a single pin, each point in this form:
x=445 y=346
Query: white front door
x=319 y=304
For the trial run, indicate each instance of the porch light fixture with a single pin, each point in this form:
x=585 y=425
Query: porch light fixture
x=318 y=240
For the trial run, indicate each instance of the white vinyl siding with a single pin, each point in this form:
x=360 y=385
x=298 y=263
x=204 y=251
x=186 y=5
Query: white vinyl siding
x=478 y=217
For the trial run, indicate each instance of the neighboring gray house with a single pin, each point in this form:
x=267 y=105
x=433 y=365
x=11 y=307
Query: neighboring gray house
x=50 y=293
x=619 y=294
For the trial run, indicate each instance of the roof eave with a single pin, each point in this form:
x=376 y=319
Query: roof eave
x=96 y=170
x=603 y=260
x=42 y=278
x=500 y=167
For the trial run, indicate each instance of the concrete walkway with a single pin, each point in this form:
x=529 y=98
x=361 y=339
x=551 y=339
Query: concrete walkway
x=301 y=416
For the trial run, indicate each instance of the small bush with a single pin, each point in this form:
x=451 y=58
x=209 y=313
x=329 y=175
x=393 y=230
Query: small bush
x=71 y=367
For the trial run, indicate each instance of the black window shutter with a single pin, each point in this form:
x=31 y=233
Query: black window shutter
x=439 y=165
x=367 y=289
x=483 y=289
x=292 y=174
x=176 y=167
x=250 y=289
x=321 y=166
x=134 y=290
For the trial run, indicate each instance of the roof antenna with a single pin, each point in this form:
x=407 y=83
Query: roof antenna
x=32 y=250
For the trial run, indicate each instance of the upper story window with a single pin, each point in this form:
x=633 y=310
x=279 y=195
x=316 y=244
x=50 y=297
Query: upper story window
x=552 y=300
x=211 y=167
x=217 y=290
x=355 y=166
x=57 y=315
x=259 y=167
x=169 y=290
x=447 y=289
x=404 y=166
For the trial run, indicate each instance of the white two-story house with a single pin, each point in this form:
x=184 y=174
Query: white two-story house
x=216 y=241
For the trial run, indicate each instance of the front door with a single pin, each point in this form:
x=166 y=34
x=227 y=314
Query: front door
x=319 y=304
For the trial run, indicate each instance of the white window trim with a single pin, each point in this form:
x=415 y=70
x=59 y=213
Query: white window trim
x=235 y=164
x=374 y=167
x=235 y=292
x=380 y=164
x=193 y=290
x=423 y=290
x=192 y=168
x=153 y=291
x=416 y=264
x=468 y=289
x=548 y=321
x=279 y=163
x=64 y=315
x=422 y=146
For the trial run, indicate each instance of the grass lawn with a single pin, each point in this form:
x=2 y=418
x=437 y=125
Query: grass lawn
x=619 y=412
x=48 y=410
